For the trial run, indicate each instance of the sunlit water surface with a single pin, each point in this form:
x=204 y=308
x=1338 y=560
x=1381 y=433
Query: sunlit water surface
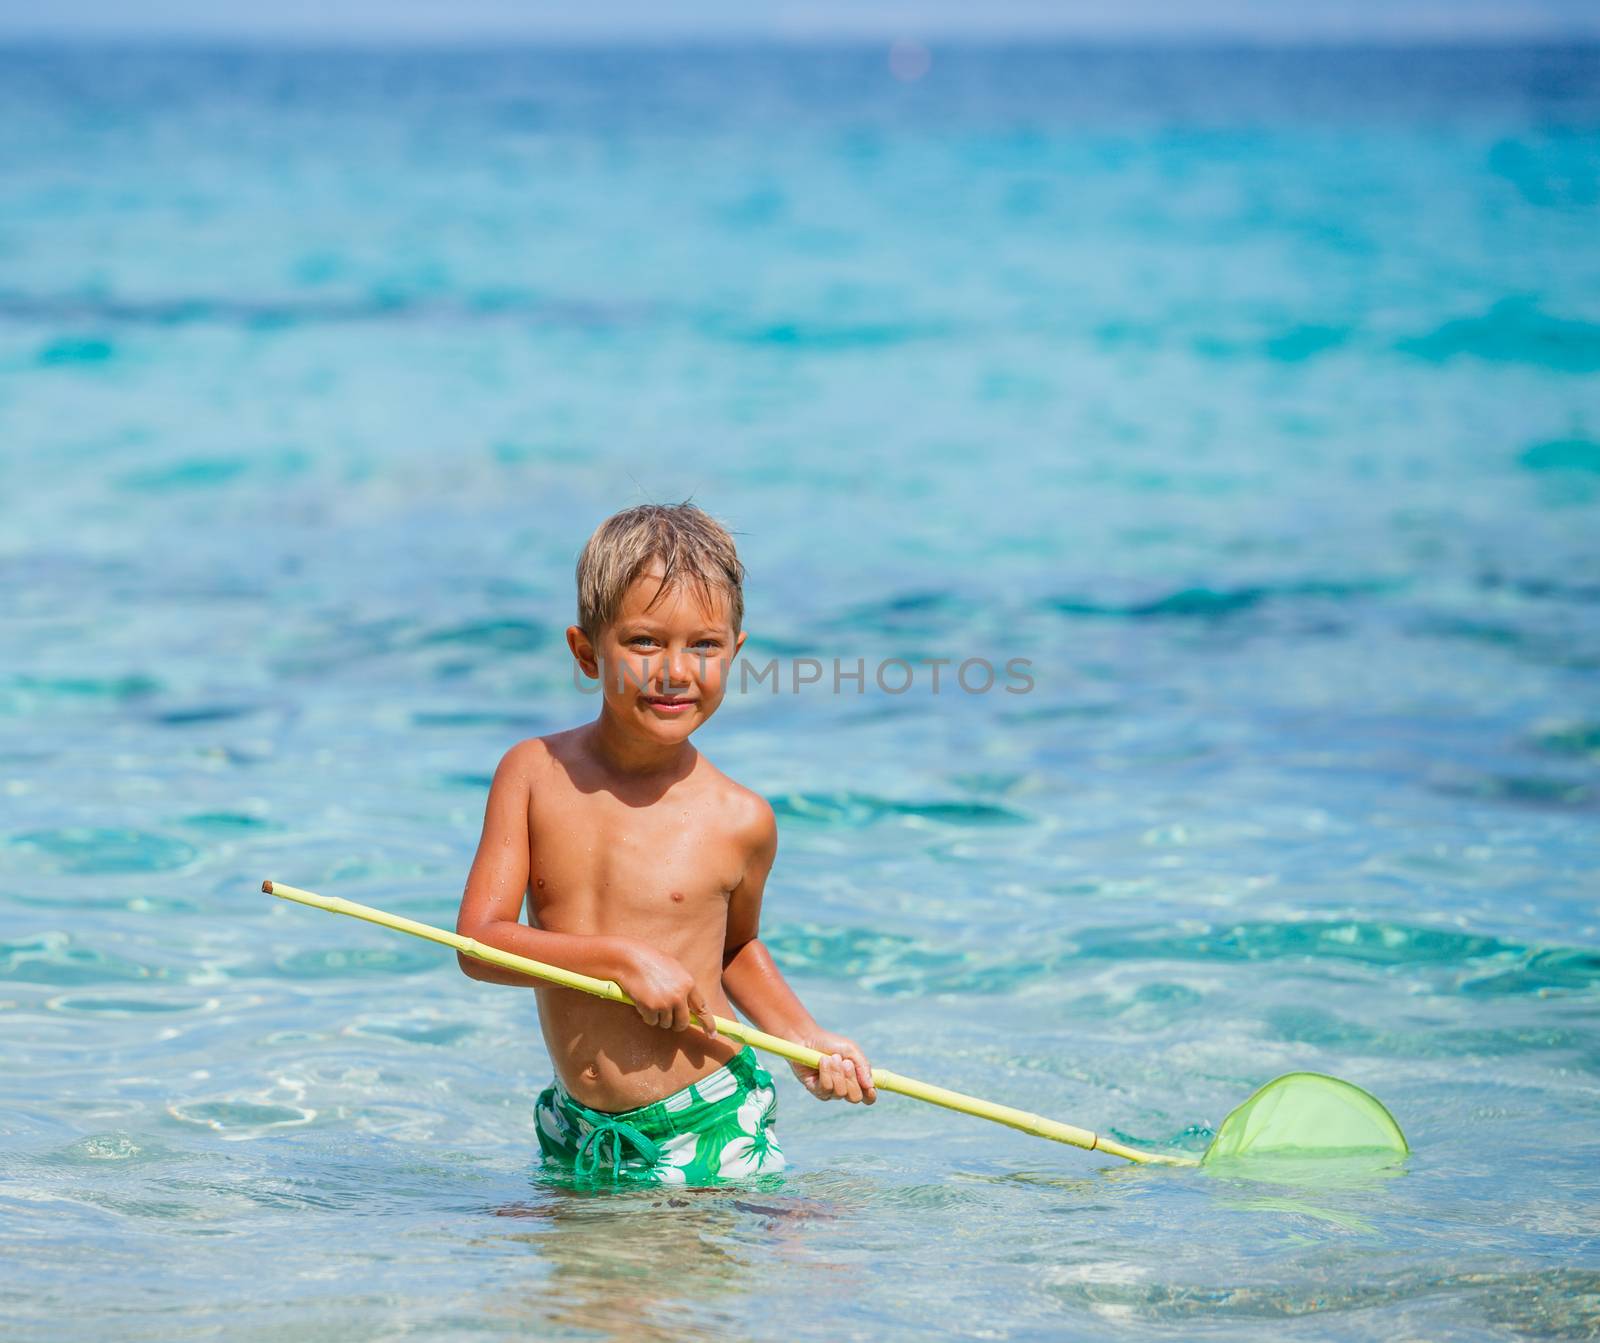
x=1251 y=398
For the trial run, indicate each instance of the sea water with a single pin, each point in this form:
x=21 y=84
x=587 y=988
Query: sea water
x=1249 y=397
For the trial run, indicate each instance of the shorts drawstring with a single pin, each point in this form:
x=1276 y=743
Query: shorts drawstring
x=717 y=1129
x=591 y=1151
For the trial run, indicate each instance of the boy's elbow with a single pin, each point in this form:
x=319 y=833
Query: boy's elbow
x=732 y=951
x=471 y=967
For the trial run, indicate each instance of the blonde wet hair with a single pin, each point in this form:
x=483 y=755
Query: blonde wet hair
x=693 y=548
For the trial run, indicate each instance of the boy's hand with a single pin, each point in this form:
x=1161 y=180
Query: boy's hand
x=662 y=990
x=843 y=1073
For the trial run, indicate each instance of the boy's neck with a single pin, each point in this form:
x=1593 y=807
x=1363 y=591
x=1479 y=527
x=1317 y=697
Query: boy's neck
x=627 y=753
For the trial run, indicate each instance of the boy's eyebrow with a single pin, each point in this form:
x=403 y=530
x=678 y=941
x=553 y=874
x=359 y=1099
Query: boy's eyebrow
x=645 y=620
x=642 y=625
x=705 y=631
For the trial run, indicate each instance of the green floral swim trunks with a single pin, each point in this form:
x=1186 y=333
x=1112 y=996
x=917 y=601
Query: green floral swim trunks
x=717 y=1129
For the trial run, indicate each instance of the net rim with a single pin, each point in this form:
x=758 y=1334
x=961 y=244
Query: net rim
x=1404 y=1148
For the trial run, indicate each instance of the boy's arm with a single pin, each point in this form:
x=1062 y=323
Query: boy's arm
x=757 y=987
x=491 y=909
x=491 y=905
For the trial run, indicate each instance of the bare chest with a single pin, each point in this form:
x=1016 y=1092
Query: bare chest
x=598 y=865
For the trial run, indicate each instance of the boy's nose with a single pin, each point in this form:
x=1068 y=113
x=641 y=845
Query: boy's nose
x=672 y=671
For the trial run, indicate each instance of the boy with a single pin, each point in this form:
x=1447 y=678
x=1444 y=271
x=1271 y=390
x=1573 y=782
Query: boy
x=644 y=864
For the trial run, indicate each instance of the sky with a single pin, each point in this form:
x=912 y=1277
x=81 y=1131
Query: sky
x=738 y=20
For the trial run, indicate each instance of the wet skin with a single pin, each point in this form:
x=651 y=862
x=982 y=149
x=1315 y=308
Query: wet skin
x=639 y=861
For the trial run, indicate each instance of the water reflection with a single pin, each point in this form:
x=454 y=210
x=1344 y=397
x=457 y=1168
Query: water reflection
x=1334 y=1189
x=652 y=1265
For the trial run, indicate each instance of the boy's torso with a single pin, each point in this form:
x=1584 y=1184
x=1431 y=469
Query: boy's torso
x=654 y=862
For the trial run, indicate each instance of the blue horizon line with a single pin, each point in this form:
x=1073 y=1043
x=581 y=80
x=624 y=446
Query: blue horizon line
x=1575 y=39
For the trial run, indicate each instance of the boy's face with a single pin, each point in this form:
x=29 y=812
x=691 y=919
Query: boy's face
x=663 y=661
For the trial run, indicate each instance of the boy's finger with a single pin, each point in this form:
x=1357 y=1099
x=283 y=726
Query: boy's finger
x=680 y=1017
x=864 y=1076
x=708 y=1023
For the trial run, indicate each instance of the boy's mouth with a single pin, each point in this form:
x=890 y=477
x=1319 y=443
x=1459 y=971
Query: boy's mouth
x=672 y=704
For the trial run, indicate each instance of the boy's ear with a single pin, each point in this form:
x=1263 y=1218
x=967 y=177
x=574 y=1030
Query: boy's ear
x=583 y=651
x=738 y=643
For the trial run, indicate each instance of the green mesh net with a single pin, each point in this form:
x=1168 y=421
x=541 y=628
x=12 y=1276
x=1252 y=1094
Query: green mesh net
x=1308 y=1114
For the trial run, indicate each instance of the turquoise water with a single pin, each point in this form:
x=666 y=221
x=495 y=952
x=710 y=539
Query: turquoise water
x=1250 y=397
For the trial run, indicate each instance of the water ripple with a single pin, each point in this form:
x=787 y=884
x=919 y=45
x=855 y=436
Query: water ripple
x=59 y=959
x=1215 y=603
x=275 y=312
x=241 y=1118
x=1547 y=1303
x=892 y=963
x=93 y=851
x=1513 y=331
x=398 y=958
x=849 y=809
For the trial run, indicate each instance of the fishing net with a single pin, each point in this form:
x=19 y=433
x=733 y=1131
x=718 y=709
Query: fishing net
x=1306 y=1114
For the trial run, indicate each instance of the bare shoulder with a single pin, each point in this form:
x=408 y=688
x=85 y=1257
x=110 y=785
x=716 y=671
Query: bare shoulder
x=529 y=761
x=525 y=756
x=746 y=813
x=534 y=753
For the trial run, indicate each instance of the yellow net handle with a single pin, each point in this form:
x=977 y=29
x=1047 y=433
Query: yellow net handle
x=882 y=1078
